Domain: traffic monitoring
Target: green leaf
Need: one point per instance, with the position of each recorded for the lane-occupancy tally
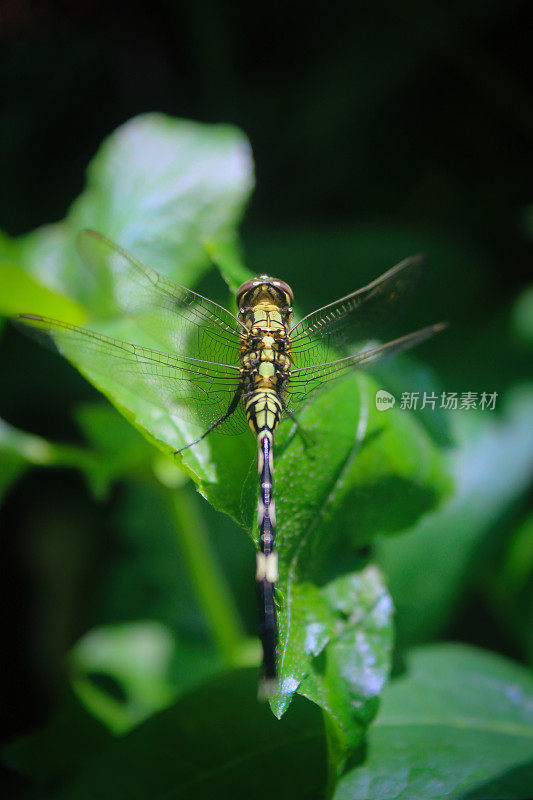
(366, 473)
(19, 290)
(137, 656)
(218, 742)
(347, 678)
(428, 567)
(158, 186)
(162, 188)
(459, 724)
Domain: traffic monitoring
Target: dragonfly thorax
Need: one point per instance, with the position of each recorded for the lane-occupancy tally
(265, 342)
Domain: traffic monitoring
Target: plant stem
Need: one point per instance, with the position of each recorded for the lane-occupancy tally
(210, 585)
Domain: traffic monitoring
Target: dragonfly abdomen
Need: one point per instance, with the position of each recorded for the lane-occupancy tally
(263, 410)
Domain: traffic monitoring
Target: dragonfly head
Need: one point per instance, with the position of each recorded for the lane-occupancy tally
(264, 289)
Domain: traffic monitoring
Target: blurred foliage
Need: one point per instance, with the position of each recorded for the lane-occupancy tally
(379, 137)
(191, 747)
(432, 565)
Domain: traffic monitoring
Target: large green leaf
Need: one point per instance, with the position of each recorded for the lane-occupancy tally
(160, 187)
(363, 473)
(366, 473)
(353, 614)
(459, 724)
(215, 742)
(20, 290)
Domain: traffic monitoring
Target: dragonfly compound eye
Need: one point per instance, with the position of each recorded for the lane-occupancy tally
(279, 291)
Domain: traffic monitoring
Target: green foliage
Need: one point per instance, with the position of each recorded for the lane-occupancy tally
(209, 743)
(507, 585)
(20, 451)
(136, 655)
(458, 724)
(357, 459)
(164, 676)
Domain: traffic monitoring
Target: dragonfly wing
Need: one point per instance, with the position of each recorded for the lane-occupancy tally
(319, 336)
(180, 319)
(195, 390)
(305, 381)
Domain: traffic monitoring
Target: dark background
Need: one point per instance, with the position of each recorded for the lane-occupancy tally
(376, 120)
(418, 111)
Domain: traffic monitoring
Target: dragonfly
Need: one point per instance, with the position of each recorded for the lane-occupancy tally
(229, 373)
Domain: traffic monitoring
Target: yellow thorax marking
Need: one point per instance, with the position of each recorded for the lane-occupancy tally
(266, 315)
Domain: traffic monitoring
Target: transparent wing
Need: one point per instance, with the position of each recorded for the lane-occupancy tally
(200, 391)
(319, 336)
(179, 319)
(305, 381)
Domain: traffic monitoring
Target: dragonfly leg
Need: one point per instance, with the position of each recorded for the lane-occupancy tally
(231, 408)
(306, 437)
